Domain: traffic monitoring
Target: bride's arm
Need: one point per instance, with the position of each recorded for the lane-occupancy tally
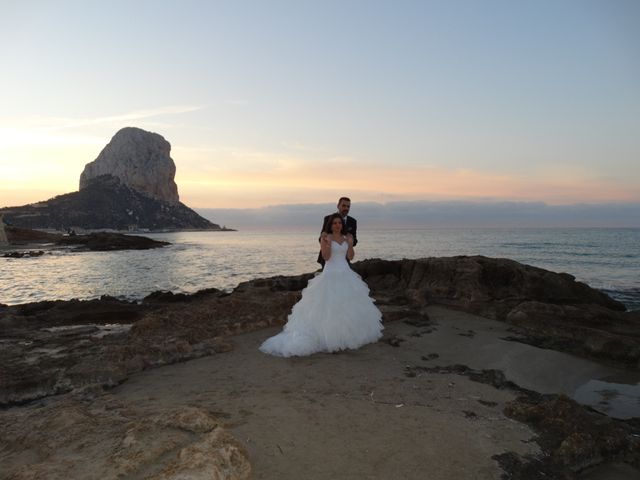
(350, 252)
(325, 247)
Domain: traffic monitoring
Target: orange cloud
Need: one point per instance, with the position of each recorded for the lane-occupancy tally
(311, 183)
(242, 178)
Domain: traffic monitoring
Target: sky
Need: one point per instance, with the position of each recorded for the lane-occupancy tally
(298, 102)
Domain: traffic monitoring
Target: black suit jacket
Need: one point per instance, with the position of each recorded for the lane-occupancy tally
(351, 227)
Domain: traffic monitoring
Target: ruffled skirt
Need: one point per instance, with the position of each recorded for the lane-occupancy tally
(334, 313)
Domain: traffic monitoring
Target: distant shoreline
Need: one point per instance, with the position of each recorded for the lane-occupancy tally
(134, 232)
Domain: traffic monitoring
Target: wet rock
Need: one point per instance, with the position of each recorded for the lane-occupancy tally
(42, 359)
(572, 437)
(100, 241)
(575, 437)
(496, 378)
(21, 236)
(587, 330)
(105, 241)
(56, 347)
(552, 310)
(431, 356)
(28, 254)
(486, 286)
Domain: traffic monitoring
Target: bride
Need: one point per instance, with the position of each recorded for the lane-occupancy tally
(335, 311)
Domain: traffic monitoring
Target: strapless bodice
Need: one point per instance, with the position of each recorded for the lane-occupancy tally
(338, 260)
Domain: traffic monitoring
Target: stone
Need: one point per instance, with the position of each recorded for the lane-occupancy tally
(217, 456)
(139, 159)
(100, 437)
(572, 436)
(105, 241)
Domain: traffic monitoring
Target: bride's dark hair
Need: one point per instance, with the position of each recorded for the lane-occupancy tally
(327, 227)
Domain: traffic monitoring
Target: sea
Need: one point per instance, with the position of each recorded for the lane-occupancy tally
(606, 259)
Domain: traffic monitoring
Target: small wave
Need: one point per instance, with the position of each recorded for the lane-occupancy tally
(630, 297)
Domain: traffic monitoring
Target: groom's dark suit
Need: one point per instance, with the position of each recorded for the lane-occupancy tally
(351, 227)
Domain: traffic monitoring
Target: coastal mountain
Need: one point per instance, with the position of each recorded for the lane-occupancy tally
(130, 186)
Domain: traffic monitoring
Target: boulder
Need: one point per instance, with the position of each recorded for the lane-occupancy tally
(141, 160)
(55, 441)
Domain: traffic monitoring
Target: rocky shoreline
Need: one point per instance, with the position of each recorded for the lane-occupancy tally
(62, 352)
(96, 241)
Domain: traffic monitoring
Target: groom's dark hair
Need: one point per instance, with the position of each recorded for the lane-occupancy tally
(327, 227)
(345, 199)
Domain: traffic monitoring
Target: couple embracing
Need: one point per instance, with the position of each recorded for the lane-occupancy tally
(335, 311)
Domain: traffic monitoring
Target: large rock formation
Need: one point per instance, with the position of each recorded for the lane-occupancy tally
(106, 203)
(130, 186)
(141, 160)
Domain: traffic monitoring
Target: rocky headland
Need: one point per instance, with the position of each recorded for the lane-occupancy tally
(130, 186)
(456, 331)
(99, 241)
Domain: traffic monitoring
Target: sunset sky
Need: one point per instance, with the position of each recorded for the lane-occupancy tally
(276, 102)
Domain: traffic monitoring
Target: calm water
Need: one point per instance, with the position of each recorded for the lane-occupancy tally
(608, 259)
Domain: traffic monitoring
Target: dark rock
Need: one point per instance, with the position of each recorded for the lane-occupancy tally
(28, 254)
(486, 286)
(470, 415)
(170, 297)
(495, 378)
(167, 327)
(57, 346)
(551, 309)
(431, 356)
(100, 241)
(279, 283)
(587, 330)
(104, 241)
(392, 340)
(23, 236)
(574, 437)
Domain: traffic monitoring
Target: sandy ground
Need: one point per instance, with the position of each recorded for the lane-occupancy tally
(359, 414)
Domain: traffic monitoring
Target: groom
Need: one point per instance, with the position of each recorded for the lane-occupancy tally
(351, 224)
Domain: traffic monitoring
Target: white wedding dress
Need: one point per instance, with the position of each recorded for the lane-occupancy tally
(334, 313)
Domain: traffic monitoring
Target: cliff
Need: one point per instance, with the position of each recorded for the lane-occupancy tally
(140, 160)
